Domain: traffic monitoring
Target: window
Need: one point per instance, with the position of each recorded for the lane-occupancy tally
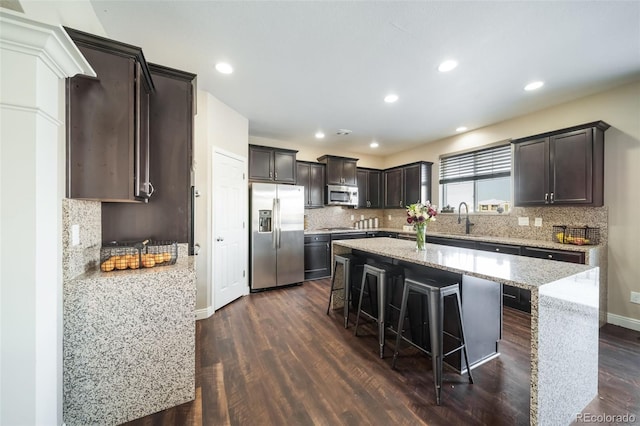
(481, 178)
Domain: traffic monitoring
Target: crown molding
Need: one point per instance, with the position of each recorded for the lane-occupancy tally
(48, 42)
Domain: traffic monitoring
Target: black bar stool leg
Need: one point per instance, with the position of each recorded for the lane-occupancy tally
(364, 280)
(403, 311)
(435, 332)
(333, 283)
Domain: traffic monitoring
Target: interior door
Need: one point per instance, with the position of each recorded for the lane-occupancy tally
(229, 229)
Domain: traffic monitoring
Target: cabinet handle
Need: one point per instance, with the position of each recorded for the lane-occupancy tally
(497, 249)
(550, 256)
(511, 296)
(270, 174)
(152, 189)
(400, 203)
(546, 198)
(276, 175)
(551, 198)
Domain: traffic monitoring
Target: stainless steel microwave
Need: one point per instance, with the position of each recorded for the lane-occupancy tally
(341, 195)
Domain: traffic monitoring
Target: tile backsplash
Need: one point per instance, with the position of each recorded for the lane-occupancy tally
(488, 224)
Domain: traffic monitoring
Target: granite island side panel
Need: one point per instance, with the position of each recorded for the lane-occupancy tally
(129, 343)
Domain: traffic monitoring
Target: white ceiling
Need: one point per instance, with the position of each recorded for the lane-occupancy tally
(301, 67)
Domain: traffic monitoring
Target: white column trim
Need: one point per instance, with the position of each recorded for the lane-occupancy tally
(34, 110)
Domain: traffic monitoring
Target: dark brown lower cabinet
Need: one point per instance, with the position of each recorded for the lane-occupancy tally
(517, 298)
(317, 256)
(513, 297)
(167, 216)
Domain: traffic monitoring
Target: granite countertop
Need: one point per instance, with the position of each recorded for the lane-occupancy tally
(489, 239)
(518, 271)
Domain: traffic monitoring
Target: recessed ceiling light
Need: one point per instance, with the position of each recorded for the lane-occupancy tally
(447, 65)
(224, 68)
(343, 132)
(461, 129)
(374, 144)
(391, 98)
(534, 85)
(319, 135)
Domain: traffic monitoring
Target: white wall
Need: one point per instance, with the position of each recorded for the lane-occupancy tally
(216, 127)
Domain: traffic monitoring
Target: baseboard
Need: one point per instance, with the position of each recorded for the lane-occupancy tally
(625, 322)
(204, 313)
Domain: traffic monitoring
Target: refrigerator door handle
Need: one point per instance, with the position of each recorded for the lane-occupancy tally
(279, 224)
(274, 228)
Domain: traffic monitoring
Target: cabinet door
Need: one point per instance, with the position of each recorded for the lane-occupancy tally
(303, 177)
(413, 185)
(393, 196)
(284, 167)
(316, 189)
(498, 248)
(363, 188)
(349, 172)
(101, 125)
(260, 163)
(334, 171)
(571, 168)
(373, 182)
(450, 241)
(531, 172)
(561, 255)
(317, 256)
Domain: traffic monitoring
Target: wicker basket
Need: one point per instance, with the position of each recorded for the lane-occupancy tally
(578, 235)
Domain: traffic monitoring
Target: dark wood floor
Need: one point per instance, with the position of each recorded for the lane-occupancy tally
(276, 358)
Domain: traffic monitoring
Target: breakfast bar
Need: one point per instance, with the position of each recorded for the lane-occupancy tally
(564, 314)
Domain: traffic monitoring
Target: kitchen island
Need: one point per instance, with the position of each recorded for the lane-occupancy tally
(564, 315)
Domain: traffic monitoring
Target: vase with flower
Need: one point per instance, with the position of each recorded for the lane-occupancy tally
(418, 215)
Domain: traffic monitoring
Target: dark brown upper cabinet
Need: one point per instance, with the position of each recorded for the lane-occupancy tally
(563, 167)
(311, 176)
(169, 213)
(407, 184)
(108, 123)
(268, 164)
(369, 188)
(340, 170)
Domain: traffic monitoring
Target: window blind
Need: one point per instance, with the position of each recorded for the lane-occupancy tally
(485, 163)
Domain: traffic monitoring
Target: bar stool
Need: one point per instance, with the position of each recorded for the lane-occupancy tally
(380, 272)
(435, 294)
(347, 261)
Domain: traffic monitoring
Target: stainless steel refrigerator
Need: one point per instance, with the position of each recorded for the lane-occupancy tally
(277, 235)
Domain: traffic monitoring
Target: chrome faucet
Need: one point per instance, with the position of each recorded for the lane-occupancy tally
(467, 224)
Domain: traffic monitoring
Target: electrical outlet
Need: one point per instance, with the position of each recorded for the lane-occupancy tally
(635, 297)
(523, 221)
(537, 221)
(75, 235)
